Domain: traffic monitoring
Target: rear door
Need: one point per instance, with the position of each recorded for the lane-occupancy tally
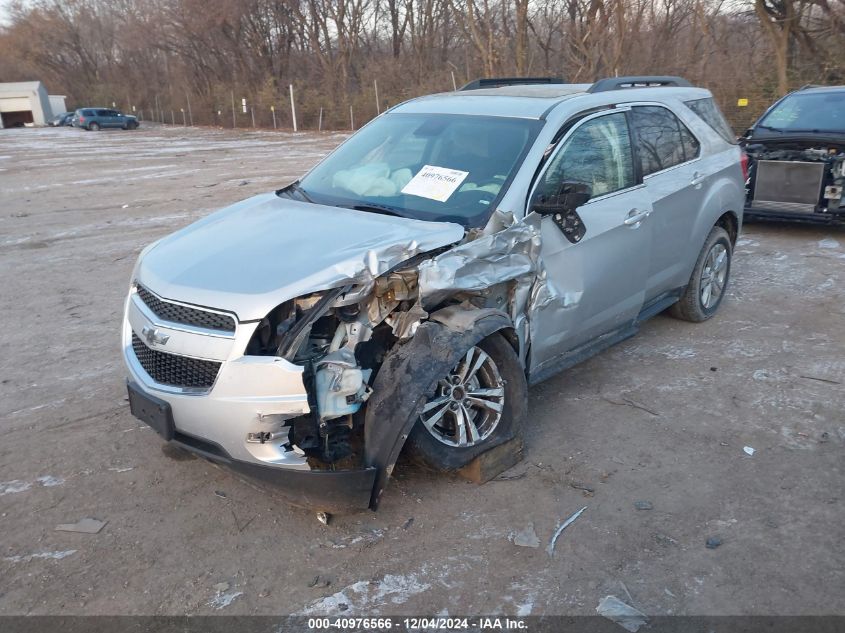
(600, 279)
(668, 156)
(104, 118)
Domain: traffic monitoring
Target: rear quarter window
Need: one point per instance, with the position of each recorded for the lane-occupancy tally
(709, 112)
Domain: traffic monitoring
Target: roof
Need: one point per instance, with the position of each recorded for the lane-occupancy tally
(533, 101)
(811, 88)
(522, 101)
(21, 86)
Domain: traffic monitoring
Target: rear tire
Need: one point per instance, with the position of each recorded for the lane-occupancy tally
(93, 127)
(709, 281)
(439, 445)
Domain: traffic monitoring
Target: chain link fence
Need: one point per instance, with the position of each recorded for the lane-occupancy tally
(308, 110)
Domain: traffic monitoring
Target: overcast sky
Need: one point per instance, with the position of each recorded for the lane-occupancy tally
(4, 11)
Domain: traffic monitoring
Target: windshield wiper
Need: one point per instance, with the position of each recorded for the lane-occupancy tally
(377, 208)
(769, 127)
(297, 188)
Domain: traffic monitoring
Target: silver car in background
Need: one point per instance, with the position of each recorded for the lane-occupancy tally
(409, 288)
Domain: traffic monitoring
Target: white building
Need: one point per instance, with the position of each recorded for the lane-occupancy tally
(25, 103)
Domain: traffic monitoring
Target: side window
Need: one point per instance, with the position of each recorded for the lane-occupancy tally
(596, 154)
(692, 147)
(662, 140)
(710, 113)
(103, 113)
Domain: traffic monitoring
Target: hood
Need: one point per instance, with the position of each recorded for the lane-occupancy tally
(252, 256)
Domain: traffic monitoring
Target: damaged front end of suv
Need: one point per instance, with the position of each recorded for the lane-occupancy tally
(299, 341)
(284, 398)
(796, 158)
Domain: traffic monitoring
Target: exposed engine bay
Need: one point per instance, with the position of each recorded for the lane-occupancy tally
(794, 178)
(340, 338)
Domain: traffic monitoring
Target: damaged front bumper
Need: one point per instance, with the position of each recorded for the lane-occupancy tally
(333, 491)
(251, 397)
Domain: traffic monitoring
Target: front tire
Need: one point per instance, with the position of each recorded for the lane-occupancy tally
(480, 404)
(709, 281)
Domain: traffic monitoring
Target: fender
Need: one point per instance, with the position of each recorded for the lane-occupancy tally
(407, 377)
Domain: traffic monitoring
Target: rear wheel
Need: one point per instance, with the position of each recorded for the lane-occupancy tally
(93, 127)
(709, 280)
(479, 404)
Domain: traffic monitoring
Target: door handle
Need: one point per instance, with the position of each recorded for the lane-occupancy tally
(635, 216)
(697, 179)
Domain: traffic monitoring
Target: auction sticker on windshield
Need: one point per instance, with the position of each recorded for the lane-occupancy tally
(435, 183)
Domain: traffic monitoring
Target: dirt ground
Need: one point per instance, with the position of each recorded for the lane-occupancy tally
(662, 418)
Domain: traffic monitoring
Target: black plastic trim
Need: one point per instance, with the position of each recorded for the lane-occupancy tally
(335, 491)
(498, 82)
(640, 81)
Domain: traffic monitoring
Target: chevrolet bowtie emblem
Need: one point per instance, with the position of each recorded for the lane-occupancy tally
(153, 336)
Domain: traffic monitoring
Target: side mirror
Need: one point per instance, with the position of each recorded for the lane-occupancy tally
(569, 197)
(562, 207)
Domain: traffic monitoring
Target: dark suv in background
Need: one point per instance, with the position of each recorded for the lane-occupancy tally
(96, 118)
(796, 153)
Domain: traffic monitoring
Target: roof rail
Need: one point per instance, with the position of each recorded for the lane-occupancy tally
(498, 82)
(644, 81)
(805, 86)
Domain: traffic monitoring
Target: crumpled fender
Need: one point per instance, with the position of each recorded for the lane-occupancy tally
(402, 386)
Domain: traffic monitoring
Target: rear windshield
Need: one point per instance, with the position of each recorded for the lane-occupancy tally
(712, 116)
(812, 112)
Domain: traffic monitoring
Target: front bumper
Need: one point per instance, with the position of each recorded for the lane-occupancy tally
(251, 394)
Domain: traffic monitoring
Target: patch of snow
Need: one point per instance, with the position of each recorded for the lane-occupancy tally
(223, 600)
(48, 481)
(48, 555)
(11, 487)
(828, 242)
(363, 596)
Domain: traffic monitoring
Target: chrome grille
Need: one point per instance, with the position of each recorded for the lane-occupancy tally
(183, 314)
(175, 370)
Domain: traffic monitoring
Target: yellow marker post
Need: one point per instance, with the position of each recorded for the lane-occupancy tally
(742, 103)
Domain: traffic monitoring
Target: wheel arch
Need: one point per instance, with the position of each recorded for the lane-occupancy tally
(729, 221)
(401, 387)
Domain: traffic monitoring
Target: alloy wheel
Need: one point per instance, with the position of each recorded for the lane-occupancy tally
(467, 405)
(713, 276)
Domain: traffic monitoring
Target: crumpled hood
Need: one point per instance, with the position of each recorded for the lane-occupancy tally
(253, 255)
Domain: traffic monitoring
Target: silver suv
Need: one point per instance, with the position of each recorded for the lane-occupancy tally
(409, 288)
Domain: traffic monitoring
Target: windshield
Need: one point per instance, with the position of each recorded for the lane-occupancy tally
(426, 166)
(808, 112)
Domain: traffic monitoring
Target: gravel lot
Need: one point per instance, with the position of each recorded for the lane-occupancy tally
(661, 418)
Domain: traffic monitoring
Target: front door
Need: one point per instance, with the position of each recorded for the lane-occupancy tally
(596, 284)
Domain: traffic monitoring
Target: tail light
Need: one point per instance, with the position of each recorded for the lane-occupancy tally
(82, 120)
(743, 162)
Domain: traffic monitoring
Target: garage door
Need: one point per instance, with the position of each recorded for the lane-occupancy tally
(18, 104)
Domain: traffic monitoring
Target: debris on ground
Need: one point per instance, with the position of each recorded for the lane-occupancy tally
(220, 493)
(713, 542)
(525, 538)
(221, 587)
(624, 615)
(551, 548)
(748, 450)
(323, 517)
(664, 539)
(88, 525)
(588, 490)
(408, 523)
(319, 582)
(643, 505)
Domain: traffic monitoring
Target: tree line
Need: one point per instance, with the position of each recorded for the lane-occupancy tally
(357, 57)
